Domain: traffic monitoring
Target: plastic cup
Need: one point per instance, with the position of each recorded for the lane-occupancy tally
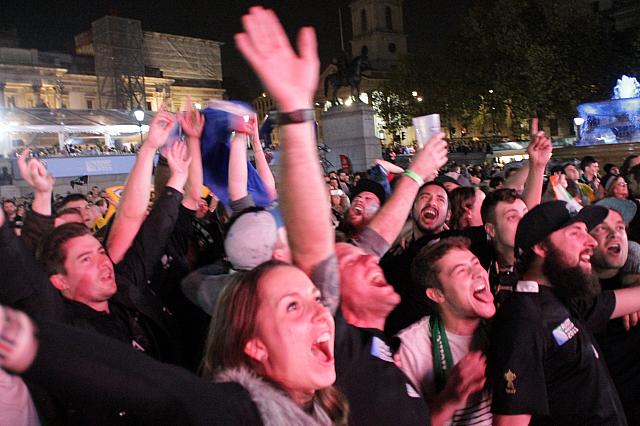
(426, 126)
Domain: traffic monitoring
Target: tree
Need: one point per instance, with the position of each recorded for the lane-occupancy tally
(539, 56)
(393, 108)
(520, 58)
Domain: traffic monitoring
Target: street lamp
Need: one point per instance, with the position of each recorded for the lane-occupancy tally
(138, 113)
(578, 121)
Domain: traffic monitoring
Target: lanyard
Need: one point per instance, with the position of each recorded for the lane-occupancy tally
(442, 359)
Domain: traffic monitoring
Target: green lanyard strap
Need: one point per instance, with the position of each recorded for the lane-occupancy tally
(442, 359)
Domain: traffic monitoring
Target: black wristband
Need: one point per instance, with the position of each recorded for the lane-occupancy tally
(294, 117)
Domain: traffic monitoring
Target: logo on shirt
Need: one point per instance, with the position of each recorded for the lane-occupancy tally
(381, 350)
(510, 377)
(564, 332)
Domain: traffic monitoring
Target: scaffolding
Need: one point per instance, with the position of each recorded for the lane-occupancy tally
(119, 63)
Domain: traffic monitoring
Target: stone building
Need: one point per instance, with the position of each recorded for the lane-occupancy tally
(172, 67)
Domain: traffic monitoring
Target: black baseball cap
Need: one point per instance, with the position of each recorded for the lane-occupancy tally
(546, 218)
(368, 185)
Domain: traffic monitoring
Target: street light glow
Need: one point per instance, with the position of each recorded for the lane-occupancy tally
(414, 93)
(578, 121)
(139, 115)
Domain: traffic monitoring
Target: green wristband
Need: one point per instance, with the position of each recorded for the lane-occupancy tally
(411, 174)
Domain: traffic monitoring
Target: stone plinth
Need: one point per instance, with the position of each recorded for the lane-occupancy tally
(350, 130)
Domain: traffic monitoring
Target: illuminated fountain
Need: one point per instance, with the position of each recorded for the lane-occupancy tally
(613, 121)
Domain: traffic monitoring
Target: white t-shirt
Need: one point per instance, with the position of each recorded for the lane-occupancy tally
(16, 405)
(416, 359)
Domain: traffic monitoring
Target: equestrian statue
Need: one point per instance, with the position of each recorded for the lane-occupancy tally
(348, 73)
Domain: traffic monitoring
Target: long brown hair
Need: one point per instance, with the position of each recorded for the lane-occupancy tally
(233, 324)
(461, 200)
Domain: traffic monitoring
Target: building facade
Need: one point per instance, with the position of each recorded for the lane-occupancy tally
(173, 67)
(377, 26)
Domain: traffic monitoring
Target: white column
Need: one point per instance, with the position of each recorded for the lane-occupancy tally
(61, 137)
(5, 143)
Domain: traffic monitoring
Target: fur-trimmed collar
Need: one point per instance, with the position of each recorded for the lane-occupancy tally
(275, 407)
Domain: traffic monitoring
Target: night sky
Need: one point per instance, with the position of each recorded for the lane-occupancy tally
(51, 25)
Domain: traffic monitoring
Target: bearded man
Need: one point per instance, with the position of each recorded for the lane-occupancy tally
(544, 364)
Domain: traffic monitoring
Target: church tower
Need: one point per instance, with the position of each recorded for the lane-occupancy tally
(377, 25)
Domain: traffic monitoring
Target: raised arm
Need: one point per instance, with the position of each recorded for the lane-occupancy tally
(238, 172)
(39, 220)
(24, 283)
(135, 200)
(539, 151)
(192, 122)
(35, 173)
(388, 222)
(150, 242)
(261, 162)
(627, 301)
(291, 79)
(388, 166)
(67, 361)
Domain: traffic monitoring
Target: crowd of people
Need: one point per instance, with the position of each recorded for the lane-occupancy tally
(70, 150)
(417, 296)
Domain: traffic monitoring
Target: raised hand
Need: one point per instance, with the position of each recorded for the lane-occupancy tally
(389, 167)
(192, 121)
(35, 173)
(432, 157)
(255, 135)
(291, 79)
(160, 128)
(539, 148)
(246, 125)
(466, 378)
(179, 159)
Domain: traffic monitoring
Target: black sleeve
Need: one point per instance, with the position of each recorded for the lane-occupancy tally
(87, 370)
(241, 204)
(596, 313)
(150, 241)
(24, 285)
(183, 230)
(35, 227)
(372, 242)
(515, 368)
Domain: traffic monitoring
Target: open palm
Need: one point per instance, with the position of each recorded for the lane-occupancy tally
(266, 47)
